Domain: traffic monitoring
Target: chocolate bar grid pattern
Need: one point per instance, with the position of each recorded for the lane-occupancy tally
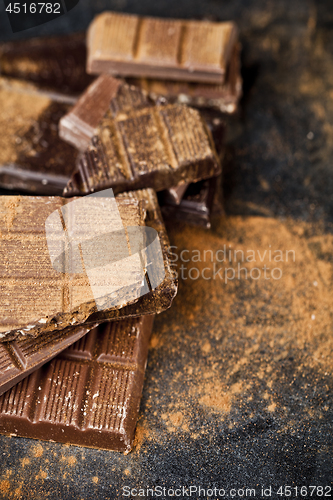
(79, 125)
(161, 297)
(19, 358)
(223, 97)
(88, 395)
(22, 228)
(155, 147)
(132, 46)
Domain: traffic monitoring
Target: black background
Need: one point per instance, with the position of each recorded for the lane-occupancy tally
(279, 40)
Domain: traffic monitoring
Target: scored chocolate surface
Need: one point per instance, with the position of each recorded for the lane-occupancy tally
(157, 147)
(38, 298)
(129, 45)
(160, 298)
(32, 156)
(19, 358)
(106, 93)
(57, 63)
(89, 395)
(223, 97)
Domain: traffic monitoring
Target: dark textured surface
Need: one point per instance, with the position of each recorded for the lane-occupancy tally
(89, 395)
(252, 334)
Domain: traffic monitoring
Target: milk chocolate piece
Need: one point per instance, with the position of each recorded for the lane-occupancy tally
(57, 63)
(19, 358)
(157, 147)
(39, 297)
(223, 97)
(129, 45)
(195, 206)
(106, 93)
(89, 395)
(32, 157)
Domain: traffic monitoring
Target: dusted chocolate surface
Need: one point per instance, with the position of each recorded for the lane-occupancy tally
(157, 147)
(21, 357)
(32, 157)
(89, 395)
(274, 175)
(80, 124)
(161, 297)
(56, 63)
(127, 45)
(38, 298)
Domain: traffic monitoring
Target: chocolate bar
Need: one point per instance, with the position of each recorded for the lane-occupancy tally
(32, 157)
(106, 93)
(157, 147)
(19, 358)
(160, 298)
(89, 395)
(67, 261)
(172, 49)
(55, 63)
(195, 206)
(224, 96)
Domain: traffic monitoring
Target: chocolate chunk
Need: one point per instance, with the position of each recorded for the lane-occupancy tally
(56, 63)
(89, 395)
(174, 195)
(106, 93)
(64, 265)
(129, 45)
(32, 157)
(197, 204)
(19, 358)
(223, 97)
(157, 147)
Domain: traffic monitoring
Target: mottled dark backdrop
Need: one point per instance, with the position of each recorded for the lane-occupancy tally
(238, 390)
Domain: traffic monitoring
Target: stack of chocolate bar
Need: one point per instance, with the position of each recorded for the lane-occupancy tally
(73, 349)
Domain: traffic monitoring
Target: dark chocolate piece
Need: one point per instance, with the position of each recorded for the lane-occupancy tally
(157, 147)
(39, 297)
(19, 358)
(174, 195)
(56, 63)
(199, 202)
(129, 45)
(106, 93)
(223, 97)
(32, 157)
(89, 395)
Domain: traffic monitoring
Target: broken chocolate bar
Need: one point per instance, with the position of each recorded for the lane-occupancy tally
(223, 97)
(67, 261)
(32, 157)
(157, 147)
(106, 93)
(55, 63)
(129, 45)
(161, 297)
(89, 395)
(195, 206)
(19, 358)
